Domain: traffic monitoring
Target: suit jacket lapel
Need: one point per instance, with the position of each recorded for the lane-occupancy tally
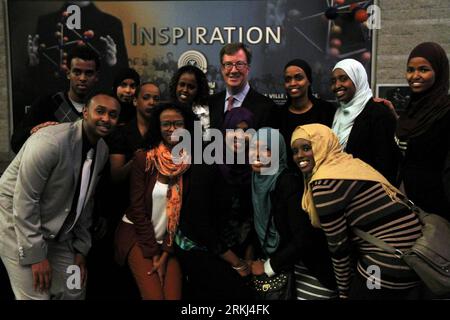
(358, 129)
(248, 98)
(98, 165)
(76, 145)
(216, 114)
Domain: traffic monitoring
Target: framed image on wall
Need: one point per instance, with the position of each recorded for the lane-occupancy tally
(398, 94)
(157, 37)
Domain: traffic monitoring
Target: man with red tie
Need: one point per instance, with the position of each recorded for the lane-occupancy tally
(235, 59)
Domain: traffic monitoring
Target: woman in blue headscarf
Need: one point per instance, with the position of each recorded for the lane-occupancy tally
(285, 236)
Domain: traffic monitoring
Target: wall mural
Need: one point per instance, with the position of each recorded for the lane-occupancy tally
(156, 37)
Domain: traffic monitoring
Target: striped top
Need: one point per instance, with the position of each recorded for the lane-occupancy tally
(308, 287)
(343, 204)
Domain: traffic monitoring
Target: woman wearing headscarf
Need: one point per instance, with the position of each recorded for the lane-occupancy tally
(124, 88)
(285, 237)
(365, 128)
(216, 223)
(423, 130)
(341, 193)
(236, 223)
(301, 106)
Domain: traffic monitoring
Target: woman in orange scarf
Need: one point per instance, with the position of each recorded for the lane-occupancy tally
(145, 236)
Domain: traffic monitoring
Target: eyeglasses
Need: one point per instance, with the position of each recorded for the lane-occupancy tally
(176, 124)
(155, 97)
(240, 65)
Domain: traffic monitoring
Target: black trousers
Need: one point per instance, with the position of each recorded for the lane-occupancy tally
(209, 278)
(6, 293)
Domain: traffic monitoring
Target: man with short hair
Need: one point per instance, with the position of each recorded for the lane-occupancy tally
(113, 200)
(235, 60)
(61, 107)
(46, 203)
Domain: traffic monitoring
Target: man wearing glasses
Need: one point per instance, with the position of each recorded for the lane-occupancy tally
(235, 59)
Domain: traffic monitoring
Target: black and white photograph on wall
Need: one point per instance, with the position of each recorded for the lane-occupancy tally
(398, 94)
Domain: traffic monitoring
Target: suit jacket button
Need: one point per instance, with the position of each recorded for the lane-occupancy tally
(52, 236)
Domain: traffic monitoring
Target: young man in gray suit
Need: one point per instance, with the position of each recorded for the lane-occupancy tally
(46, 202)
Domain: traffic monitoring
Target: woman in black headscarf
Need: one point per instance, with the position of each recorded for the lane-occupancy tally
(301, 106)
(125, 84)
(423, 133)
(216, 221)
(236, 219)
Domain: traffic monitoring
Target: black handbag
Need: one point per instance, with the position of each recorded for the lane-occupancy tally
(278, 287)
(429, 257)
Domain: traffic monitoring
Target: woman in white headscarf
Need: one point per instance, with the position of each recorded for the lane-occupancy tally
(365, 128)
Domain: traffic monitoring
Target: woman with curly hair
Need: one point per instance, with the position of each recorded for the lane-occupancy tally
(190, 86)
(145, 236)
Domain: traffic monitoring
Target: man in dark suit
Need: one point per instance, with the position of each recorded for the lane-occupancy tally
(235, 59)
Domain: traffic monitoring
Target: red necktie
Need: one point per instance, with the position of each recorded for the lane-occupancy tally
(230, 103)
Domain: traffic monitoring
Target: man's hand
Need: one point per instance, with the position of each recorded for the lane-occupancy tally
(80, 261)
(43, 125)
(111, 50)
(33, 50)
(42, 275)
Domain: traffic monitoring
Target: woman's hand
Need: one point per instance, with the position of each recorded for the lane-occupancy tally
(159, 266)
(241, 266)
(257, 267)
(245, 271)
(388, 104)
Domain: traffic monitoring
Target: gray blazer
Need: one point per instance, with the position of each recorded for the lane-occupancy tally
(37, 190)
